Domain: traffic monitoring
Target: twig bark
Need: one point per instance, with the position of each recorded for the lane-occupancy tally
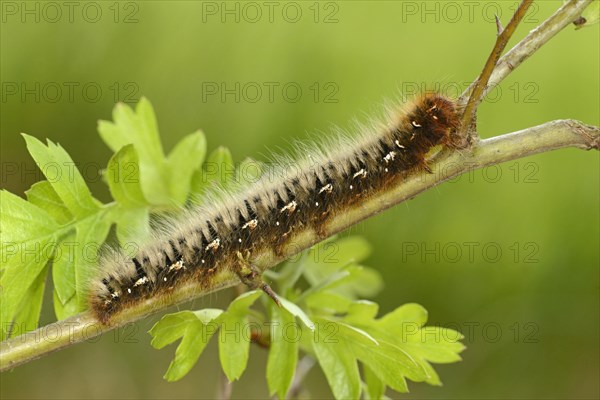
(447, 165)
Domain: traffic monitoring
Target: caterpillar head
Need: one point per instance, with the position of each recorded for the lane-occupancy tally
(437, 116)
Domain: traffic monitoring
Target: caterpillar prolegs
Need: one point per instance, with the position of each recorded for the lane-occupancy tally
(224, 233)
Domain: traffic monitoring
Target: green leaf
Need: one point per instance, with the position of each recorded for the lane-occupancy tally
(329, 282)
(432, 376)
(170, 328)
(31, 305)
(44, 196)
(332, 266)
(208, 315)
(328, 257)
(123, 178)
(350, 282)
(241, 303)
(375, 386)
(297, 312)
(390, 364)
(361, 312)
(402, 330)
(60, 171)
(406, 323)
(436, 344)
(140, 129)
(331, 303)
(183, 161)
(63, 268)
(283, 353)
(338, 362)
(64, 310)
(29, 235)
(23, 221)
(408, 315)
(234, 339)
(195, 333)
(75, 259)
(387, 361)
(133, 212)
(194, 341)
(365, 282)
(91, 233)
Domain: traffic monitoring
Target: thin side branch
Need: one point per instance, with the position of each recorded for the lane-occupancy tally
(562, 18)
(550, 136)
(482, 82)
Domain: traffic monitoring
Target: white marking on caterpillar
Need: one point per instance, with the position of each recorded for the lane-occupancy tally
(317, 204)
(399, 145)
(177, 266)
(214, 245)
(389, 157)
(290, 207)
(327, 188)
(129, 290)
(240, 240)
(250, 224)
(434, 117)
(114, 295)
(277, 223)
(362, 173)
(415, 124)
(142, 281)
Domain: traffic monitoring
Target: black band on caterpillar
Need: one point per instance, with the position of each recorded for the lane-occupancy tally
(268, 213)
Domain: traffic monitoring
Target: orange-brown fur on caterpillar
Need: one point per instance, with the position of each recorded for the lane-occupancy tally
(293, 196)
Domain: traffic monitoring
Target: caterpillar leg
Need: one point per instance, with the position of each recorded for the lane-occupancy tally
(251, 277)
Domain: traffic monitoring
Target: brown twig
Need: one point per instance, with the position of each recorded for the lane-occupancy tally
(539, 36)
(468, 119)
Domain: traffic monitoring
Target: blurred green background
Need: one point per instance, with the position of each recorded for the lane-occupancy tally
(530, 315)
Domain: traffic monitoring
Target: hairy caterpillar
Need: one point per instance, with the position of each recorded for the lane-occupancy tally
(226, 232)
